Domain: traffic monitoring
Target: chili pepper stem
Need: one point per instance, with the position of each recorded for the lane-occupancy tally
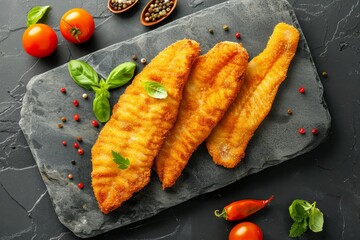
(221, 214)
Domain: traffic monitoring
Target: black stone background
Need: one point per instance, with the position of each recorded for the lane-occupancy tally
(328, 174)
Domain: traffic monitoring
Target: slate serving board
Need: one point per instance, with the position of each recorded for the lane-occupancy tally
(276, 140)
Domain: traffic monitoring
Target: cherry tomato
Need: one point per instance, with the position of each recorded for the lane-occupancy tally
(39, 40)
(246, 231)
(77, 25)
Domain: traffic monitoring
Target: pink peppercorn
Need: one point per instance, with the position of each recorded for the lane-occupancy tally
(94, 123)
(76, 103)
(80, 185)
(80, 151)
(314, 131)
(77, 117)
(301, 131)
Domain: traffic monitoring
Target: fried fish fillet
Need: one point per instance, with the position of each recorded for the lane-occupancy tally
(264, 74)
(214, 81)
(139, 125)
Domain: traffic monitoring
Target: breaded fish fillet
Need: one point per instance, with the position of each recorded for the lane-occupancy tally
(139, 125)
(214, 81)
(264, 74)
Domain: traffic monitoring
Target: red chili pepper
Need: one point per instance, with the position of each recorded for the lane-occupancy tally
(241, 209)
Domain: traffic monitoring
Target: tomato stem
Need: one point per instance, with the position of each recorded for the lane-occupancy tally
(73, 30)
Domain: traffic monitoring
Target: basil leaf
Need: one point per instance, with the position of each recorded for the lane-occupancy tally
(121, 75)
(155, 89)
(316, 220)
(101, 107)
(298, 228)
(83, 74)
(35, 14)
(298, 210)
(123, 163)
(101, 91)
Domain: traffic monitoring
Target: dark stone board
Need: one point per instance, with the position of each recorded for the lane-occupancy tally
(276, 140)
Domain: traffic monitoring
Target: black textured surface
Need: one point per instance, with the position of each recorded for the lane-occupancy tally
(276, 141)
(328, 174)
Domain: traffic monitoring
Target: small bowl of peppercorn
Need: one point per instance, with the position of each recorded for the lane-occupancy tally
(156, 11)
(119, 6)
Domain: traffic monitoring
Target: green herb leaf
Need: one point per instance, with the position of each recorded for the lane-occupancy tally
(123, 163)
(316, 220)
(83, 74)
(155, 89)
(298, 228)
(298, 210)
(121, 75)
(305, 215)
(101, 106)
(35, 14)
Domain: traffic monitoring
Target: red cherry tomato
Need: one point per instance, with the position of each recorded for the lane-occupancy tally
(77, 25)
(246, 231)
(39, 40)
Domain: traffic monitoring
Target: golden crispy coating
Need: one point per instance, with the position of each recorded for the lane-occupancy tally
(264, 74)
(139, 125)
(214, 81)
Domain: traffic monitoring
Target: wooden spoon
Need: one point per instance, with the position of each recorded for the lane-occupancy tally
(147, 21)
(122, 9)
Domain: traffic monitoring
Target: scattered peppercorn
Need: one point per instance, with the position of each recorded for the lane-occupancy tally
(85, 96)
(143, 60)
(77, 117)
(60, 125)
(211, 31)
(226, 27)
(73, 162)
(76, 145)
(76, 103)
(64, 143)
(302, 131)
(324, 74)
(63, 119)
(289, 111)
(80, 151)
(237, 35)
(94, 123)
(314, 131)
(70, 176)
(134, 57)
(63, 90)
(79, 139)
(80, 185)
(301, 90)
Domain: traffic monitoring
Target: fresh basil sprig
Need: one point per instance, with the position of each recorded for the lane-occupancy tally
(123, 163)
(155, 89)
(120, 75)
(83, 74)
(86, 77)
(35, 14)
(305, 215)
